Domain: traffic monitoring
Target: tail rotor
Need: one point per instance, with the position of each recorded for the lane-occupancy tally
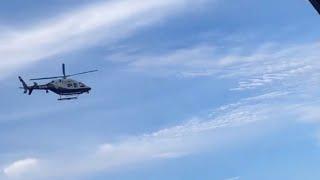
(26, 87)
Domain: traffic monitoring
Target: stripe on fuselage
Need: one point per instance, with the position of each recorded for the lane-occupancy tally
(64, 91)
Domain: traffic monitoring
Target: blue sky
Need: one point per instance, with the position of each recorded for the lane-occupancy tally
(211, 89)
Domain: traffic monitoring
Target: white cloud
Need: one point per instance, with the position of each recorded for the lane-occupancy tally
(199, 134)
(221, 127)
(108, 20)
(21, 167)
(174, 142)
(263, 66)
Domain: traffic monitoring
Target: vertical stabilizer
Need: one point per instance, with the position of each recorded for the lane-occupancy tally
(26, 87)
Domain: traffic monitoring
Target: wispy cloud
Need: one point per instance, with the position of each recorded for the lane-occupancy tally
(181, 140)
(173, 142)
(108, 20)
(221, 126)
(278, 104)
(252, 67)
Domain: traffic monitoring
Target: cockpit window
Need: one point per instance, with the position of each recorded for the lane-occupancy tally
(81, 85)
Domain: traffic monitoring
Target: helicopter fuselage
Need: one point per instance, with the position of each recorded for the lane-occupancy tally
(61, 85)
(64, 87)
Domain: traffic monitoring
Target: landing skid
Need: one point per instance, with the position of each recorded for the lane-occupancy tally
(67, 98)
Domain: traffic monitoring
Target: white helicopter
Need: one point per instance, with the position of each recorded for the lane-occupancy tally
(66, 88)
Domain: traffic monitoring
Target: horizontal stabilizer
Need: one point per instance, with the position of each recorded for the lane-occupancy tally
(316, 4)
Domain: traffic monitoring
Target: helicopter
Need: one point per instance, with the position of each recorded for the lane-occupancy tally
(316, 4)
(66, 88)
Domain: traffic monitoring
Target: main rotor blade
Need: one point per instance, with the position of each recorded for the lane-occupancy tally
(56, 77)
(82, 73)
(64, 70)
